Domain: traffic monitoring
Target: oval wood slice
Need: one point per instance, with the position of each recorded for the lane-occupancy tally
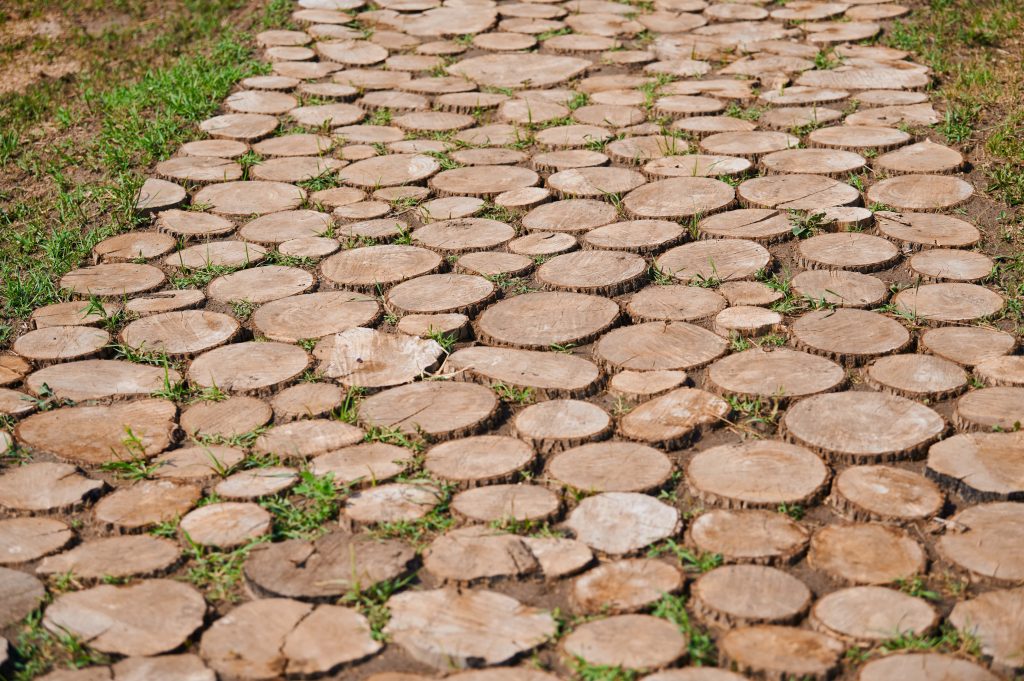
(250, 198)
(389, 171)
(43, 487)
(439, 410)
(180, 333)
(847, 251)
(248, 368)
(116, 557)
(314, 315)
(570, 215)
(859, 137)
(210, 254)
(560, 424)
(441, 293)
(967, 345)
(673, 419)
(306, 400)
(715, 260)
(243, 127)
(917, 376)
(624, 586)
(595, 183)
(778, 373)
(654, 346)
(920, 192)
(741, 595)
(200, 169)
(796, 192)
(749, 536)
(869, 614)
(927, 230)
(553, 161)
(478, 554)
(924, 667)
(764, 225)
(164, 301)
(308, 438)
(979, 466)
(146, 503)
(991, 618)
(463, 234)
(746, 321)
(924, 157)
(984, 539)
(865, 554)
(20, 594)
(840, 287)
(228, 418)
(260, 284)
(157, 195)
(524, 321)
(950, 302)
(544, 374)
(289, 224)
(197, 463)
(226, 525)
(478, 460)
(368, 358)
(506, 503)
(704, 126)
(636, 386)
(23, 540)
(849, 335)
(372, 266)
(771, 650)
(113, 280)
(255, 484)
(74, 313)
(748, 144)
(679, 197)
(617, 523)
(542, 244)
(611, 467)
(482, 181)
(941, 264)
(370, 462)
(642, 236)
(749, 293)
(675, 303)
(61, 344)
(638, 150)
(192, 225)
(98, 379)
(520, 70)
(132, 246)
(559, 556)
(628, 642)
(607, 273)
(885, 493)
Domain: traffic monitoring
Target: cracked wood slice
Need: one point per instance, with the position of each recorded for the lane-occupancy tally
(389, 171)
(23, 540)
(635, 642)
(556, 425)
(187, 332)
(20, 594)
(917, 376)
(464, 234)
(674, 419)
(96, 434)
(869, 614)
(846, 218)
(608, 273)
(617, 523)
(885, 493)
(749, 145)
(924, 157)
(227, 418)
(366, 268)
(636, 386)
(447, 627)
(243, 127)
(920, 192)
(479, 460)
(967, 345)
(146, 503)
(714, 260)
(863, 427)
(327, 567)
(611, 467)
(308, 437)
(478, 554)
(979, 466)
(746, 321)
(100, 379)
(741, 595)
(924, 667)
(862, 78)
(948, 302)
(544, 374)
(749, 536)
(453, 324)
(482, 181)
(116, 557)
(679, 197)
(441, 293)
(250, 198)
(255, 484)
(520, 70)
(674, 303)
(362, 463)
(260, 284)
(506, 503)
(54, 344)
(42, 487)
(841, 287)
(113, 280)
(314, 315)
(927, 230)
(367, 358)
(829, 162)
(158, 195)
(773, 651)
(942, 264)
(659, 345)
(849, 335)
(439, 410)
(190, 224)
(866, 553)
(125, 247)
(526, 320)
(992, 618)
(288, 224)
(226, 525)
(248, 368)
(146, 618)
(778, 373)
(763, 225)
(570, 215)
(984, 540)
(796, 192)
(595, 183)
(624, 586)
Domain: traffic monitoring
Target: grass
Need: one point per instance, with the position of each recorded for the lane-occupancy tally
(36, 650)
(309, 505)
(692, 562)
(372, 600)
(702, 649)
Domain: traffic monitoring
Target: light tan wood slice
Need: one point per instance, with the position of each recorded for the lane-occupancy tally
(114, 557)
(628, 642)
(921, 192)
(917, 376)
(544, 374)
(764, 225)
(308, 438)
(249, 368)
(436, 409)
(211, 254)
(983, 539)
(113, 280)
(741, 595)
(54, 344)
(967, 345)
(749, 293)
(242, 127)
(570, 215)
(796, 192)
(21, 593)
(979, 466)
(202, 462)
(674, 419)
(225, 525)
(279, 227)
(679, 197)
(441, 293)
(617, 523)
(368, 358)
(924, 157)
(257, 483)
(948, 302)
(260, 284)
(868, 614)
(847, 251)
(559, 556)
(611, 467)
(624, 586)
(73, 313)
(637, 386)
(749, 536)
(463, 234)
(306, 400)
(927, 230)
(23, 540)
(941, 264)
(132, 246)
(520, 70)
(314, 315)
(991, 618)
(180, 333)
(228, 418)
(157, 195)
(250, 198)
(499, 504)
(477, 554)
(750, 145)
(849, 335)
(923, 666)
(43, 487)
(164, 301)
(372, 266)
(841, 288)
(556, 425)
(675, 303)
(746, 321)
(778, 373)
(866, 553)
(366, 463)
(478, 460)
(885, 493)
(192, 224)
(654, 346)
(714, 260)
(524, 320)
(776, 651)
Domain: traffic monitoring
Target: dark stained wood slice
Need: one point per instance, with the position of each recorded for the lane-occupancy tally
(389, 171)
(848, 335)
(250, 198)
(440, 293)
(520, 70)
(463, 234)
(524, 320)
(570, 215)
(545, 374)
(673, 419)
(869, 614)
(191, 224)
(72, 313)
(923, 157)
(764, 225)
(225, 525)
(99, 379)
(314, 315)
(602, 272)
(991, 618)
(659, 345)
(556, 425)
(997, 408)
(714, 260)
(202, 462)
(113, 280)
(741, 595)
(366, 268)
(117, 557)
(942, 264)
(132, 246)
(499, 503)
(927, 230)
(23, 540)
(863, 427)
(611, 467)
(146, 503)
(841, 288)
(43, 487)
(923, 666)
(478, 460)
(54, 344)
(250, 485)
(146, 618)
(479, 554)
(828, 162)
(260, 284)
(366, 463)
(983, 539)
(482, 181)
(307, 438)
(778, 373)
(446, 628)
(627, 641)
(211, 254)
(865, 553)
(248, 368)
(674, 303)
(180, 333)
(979, 466)
(917, 376)
(624, 586)
(227, 418)
(368, 358)
(967, 345)
(773, 651)
(679, 197)
(796, 192)
(749, 536)
(439, 410)
(886, 494)
(290, 224)
(96, 434)
(948, 302)
(920, 192)
(157, 195)
(20, 594)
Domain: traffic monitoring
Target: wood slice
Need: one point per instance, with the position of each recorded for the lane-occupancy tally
(545, 374)
(997, 409)
(855, 137)
(190, 224)
(841, 288)
(597, 182)
(43, 487)
(96, 434)
(73, 313)
(631, 642)
(941, 264)
(366, 268)
(426, 325)
(750, 145)
(611, 467)
(967, 345)
(863, 427)
(846, 218)
(197, 463)
(334, 115)
(571, 158)
(21, 593)
(682, 106)
(868, 77)
(114, 557)
(558, 556)
(307, 438)
(696, 165)
(531, 112)
(749, 293)
(828, 162)
(306, 400)
(992, 619)
(979, 466)
(489, 157)
(757, 224)
(200, 169)
(294, 145)
(146, 503)
(695, 674)
(885, 493)
(257, 483)
(920, 192)
(491, 263)
(637, 386)
(772, 651)
(542, 244)
(679, 197)
(917, 376)
(244, 127)
(314, 315)
(926, 230)
(441, 293)
(260, 284)
(714, 260)
(478, 460)
(984, 539)
(607, 273)
(371, 462)
(523, 321)
(786, 118)
(389, 171)
(624, 586)
(847, 251)
(368, 358)
(450, 208)
(147, 618)
(868, 614)
(622, 522)
(556, 425)
(228, 254)
(225, 525)
(503, 503)
(948, 302)
(659, 345)
(463, 234)
(290, 224)
(157, 195)
(674, 303)
(796, 192)
(923, 157)
(228, 418)
(849, 335)
(571, 216)
(778, 373)
(113, 280)
(482, 181)
(439, 410)
(132, 246)
(520, 70)
(746, 321)
(865, 554)
(26, 539)
(672, 420)
(923, 666)
(742, 595)
(749, 536)
(477, 554)
(250, 198)
(448, 627)
(164, 301)
(216, 148)
(61, 344)
(180, 333)
(248, 368)
(99, 379)
(638, 150)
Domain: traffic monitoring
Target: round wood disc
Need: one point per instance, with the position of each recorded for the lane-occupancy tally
(26, 539)
(307, 438)
(542, 244)
(926, 230)
(146, 503)
(757, 224)
(786, 118)
(622, 522)
(214, 147)
(854, 137)
(979, 466)
(260, 284)
(459, 628)
(545, 374)
(948, 302)
(923, 666)
(228, 254)
(749, 293)
(294, 145)
(250, 198)
(180, 333)
(741, 595)
(593, 271)
(672, 420)
(638, 150)
(200, 169)
(674, 303)
(749, 145)
(679, 197)
(500, 503)
(749, 536)
(245, 127)
(127, 556)
(440, 410)
(558, 556)
(597, 183)
(841, 288)
(627, 642)
(164, 301)
(394, 502)
(849, 335)
(846, 218)
(226, 525)
(113, 280)
(531, 111)
(478, 460)
(555, 425)
(291, 224)
(863, 427)
(389, 171)
(847, 251)
(984, 540)
(482, 181)
(522, 321)
(98, 379)
(884, 493)
(146, 618)
(917, 376)
(641, 236)
(61, 344)
(248, 368)
(746, 321)
(967, 345)
(570, 215)
(868, 614)
(624, 586)
(778, 651)
(992, 619)
(714, 260)
(368, 358)
(43, 487)
(998, 408)
(696, 165)
(228, 418)
(519, 70)
(658, 345)
(254, 484)
(132, 246)
(314, 315)
(364, 463)
(475, 553)
(73, 313)
(571, 158)
(796, 192)
(197, 463)
(20, 594)
(828, 162)
(865, 553)
(440, 293)
(923, 157)
(157, 195)
(778, 373)
(370, 266)
(611, 467)
(463, 234)
(190, 224)
(942, 264)
(920, 192)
